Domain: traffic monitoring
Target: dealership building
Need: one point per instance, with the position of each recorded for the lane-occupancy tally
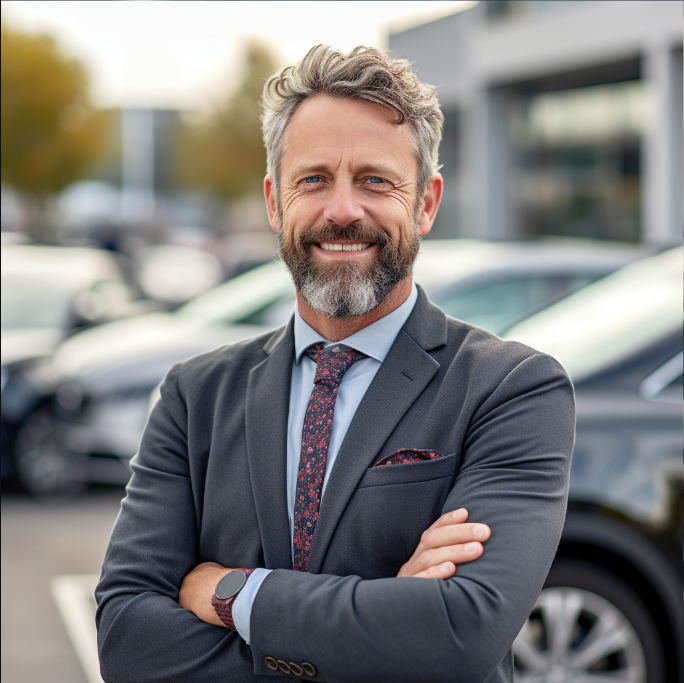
(561, 118)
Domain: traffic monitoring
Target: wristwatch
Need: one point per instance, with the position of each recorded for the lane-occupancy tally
(227, 590)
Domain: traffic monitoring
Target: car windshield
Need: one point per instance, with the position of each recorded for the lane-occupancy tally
(242, 299)
(29, 303)
(611, 319)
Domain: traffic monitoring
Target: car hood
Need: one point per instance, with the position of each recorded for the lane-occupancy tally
(136, 354)
(26, 344)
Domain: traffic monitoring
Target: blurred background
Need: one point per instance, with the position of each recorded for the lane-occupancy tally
(134, 236)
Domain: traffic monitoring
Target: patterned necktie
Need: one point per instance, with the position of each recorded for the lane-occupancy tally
(331, 364)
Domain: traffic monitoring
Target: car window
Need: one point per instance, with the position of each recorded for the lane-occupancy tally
(494, 304)
(578, 280)
(612, 319)
(241, 299)
(272, 315)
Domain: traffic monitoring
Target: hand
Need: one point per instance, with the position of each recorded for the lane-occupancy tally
(448, 542)
(198, 588)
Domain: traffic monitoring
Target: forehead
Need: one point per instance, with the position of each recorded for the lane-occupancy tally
(332, 130)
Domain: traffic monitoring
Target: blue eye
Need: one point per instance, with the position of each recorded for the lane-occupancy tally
(375, 180)
(312, 179)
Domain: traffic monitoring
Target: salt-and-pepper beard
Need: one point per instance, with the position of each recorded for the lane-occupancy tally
(345, 289)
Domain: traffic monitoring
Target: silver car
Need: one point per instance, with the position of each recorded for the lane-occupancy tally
(102, 378)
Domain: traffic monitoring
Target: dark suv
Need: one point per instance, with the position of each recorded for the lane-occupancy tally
(611, 609)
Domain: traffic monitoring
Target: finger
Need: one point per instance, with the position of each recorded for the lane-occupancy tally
(456, 517)
(453, 534)
(441, 571)
(458, 554)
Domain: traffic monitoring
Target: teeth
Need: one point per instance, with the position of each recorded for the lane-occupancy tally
(328, 246)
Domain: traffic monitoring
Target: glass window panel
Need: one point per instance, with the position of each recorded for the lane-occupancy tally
(577, 161)
(492, 305)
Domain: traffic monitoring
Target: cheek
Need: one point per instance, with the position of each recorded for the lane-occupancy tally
(395, 215)
(407, 204)
(298, 209)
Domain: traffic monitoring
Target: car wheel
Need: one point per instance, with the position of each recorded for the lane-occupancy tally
(588, 626)
(44, 468)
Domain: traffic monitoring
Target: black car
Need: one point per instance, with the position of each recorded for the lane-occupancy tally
(611, 609)
(48, 294)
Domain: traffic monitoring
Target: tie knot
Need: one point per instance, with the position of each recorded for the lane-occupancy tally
(332, 361)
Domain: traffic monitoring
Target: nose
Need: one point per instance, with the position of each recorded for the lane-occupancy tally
(343, 203)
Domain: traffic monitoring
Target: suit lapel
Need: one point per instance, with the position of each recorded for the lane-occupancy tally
(268, 399)
(402, 377)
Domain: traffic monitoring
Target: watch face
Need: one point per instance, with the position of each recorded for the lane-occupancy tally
(230, 584)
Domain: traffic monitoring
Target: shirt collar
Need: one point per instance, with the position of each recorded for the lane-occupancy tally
(375, 340)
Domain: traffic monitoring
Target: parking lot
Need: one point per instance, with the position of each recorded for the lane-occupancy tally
(135, 237)
(50, 551)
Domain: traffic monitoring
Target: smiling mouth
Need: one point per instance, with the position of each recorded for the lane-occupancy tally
(356, 246)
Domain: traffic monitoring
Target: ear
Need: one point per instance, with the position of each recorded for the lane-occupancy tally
(271, 203)
(430, 204)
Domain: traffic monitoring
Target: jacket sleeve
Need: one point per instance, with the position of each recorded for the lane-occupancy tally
(514, 476)
(143, 634)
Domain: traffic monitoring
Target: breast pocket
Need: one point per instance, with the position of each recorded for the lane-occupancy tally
(410, 472)
(383, 522)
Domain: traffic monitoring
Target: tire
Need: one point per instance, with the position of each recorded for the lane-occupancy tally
(45, 469)
(588, 625)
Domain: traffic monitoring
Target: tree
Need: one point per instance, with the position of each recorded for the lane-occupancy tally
(50, 132)
(226, 154)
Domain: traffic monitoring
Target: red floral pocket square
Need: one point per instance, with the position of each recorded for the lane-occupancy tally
(405, 455)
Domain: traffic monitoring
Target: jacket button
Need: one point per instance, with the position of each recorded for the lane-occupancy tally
(295, 669)
(271, 663)
(283, 666)
(309, 669)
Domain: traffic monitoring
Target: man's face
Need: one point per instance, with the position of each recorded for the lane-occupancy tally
(348, 220)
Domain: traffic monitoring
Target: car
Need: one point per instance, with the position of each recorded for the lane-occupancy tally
(611, 608)
(93, 413)
(48, 294)
(173, 274)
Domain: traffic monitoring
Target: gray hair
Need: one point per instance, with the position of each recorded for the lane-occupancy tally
(365, 73)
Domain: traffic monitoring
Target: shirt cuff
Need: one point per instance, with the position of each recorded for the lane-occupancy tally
(242, 607)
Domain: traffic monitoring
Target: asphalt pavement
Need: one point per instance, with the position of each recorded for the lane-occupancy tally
(51, 555)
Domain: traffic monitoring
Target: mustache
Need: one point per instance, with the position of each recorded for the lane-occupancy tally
(356, 232)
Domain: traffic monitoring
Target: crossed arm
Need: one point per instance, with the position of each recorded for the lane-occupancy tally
(514, 476)
(448, 542)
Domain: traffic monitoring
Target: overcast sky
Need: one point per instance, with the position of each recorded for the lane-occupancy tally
(183, 54)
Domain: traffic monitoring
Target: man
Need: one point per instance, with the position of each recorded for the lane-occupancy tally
(309, 488)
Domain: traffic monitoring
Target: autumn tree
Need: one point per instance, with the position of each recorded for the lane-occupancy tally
(226, 154)
(50, 131)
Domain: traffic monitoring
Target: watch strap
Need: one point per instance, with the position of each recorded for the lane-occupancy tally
(224, 608)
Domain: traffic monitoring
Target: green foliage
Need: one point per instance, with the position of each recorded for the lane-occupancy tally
(50, 133)
(226, 154)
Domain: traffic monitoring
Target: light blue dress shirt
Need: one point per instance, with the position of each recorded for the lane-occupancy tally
(375, 342)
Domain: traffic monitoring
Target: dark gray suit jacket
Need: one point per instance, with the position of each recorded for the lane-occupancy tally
(209, 485)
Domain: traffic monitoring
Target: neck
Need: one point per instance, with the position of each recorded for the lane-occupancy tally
(336, 329)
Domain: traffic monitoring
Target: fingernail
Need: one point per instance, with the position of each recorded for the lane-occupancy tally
(471, 548)
(478, 531)
(457, 513)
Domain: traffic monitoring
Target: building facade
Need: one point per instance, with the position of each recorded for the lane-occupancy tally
(562, 118)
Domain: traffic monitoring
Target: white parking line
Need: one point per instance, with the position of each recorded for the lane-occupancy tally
(76, 604)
